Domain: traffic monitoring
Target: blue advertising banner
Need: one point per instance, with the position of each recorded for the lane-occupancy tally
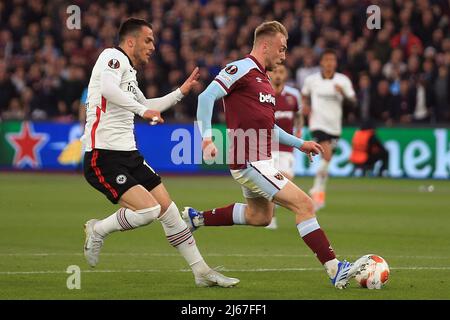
(173, 148)
(45, 146)
(169, 147)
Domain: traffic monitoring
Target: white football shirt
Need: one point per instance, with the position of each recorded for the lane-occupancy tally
(326, 101)
(109, 125)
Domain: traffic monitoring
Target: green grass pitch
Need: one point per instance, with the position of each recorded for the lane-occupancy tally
(41, 233)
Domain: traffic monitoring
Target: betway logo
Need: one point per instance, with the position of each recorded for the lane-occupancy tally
(266, 98)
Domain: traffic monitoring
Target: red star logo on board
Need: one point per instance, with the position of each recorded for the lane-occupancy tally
(27, 145)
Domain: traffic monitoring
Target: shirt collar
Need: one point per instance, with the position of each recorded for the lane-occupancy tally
(321, 73)
(121, 50)
(263, 70)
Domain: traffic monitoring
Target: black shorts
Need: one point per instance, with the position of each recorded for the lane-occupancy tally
(320, 136)
(114, 172)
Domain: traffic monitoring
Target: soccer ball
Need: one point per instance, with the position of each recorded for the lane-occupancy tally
(376, 273)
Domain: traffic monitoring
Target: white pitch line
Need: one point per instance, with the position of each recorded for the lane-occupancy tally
(155, 254)
(187, 270)
(43, 254)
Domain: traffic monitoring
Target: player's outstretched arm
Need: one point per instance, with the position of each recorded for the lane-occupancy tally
(311, 148)
(109, 88)
(190, 82)
(161, 104)
(287, 139)
(209, 149)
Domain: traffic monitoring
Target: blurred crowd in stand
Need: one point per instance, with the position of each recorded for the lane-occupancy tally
(400, 71)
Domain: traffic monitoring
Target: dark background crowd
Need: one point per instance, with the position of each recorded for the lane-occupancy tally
(400, 72)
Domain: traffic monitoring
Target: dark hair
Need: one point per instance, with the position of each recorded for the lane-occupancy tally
(132, 25)
(328, 51)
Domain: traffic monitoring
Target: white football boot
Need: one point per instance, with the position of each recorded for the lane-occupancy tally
(93, 243)
(347, 270)
(214, 278)
(193, 218)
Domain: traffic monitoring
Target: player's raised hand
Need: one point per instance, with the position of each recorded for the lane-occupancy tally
(154, 117)
(311, 149)
(190, 81)
(209, 149)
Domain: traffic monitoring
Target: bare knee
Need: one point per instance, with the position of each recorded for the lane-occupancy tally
(304, 208)
(136, 198)
(308, 208)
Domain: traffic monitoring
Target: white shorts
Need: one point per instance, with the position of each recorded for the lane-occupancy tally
(284, 161)
(260, 179)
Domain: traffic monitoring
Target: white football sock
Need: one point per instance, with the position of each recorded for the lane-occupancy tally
(321, 177)
(331, 267)
(306, 227)
(180, 237)
(126, 219)
(275, 207)
(239, 213)
(272, 224)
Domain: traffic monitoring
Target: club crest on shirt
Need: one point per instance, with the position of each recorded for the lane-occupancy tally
(279, 176)
(121, 179)
(114, 64)
(231, 69)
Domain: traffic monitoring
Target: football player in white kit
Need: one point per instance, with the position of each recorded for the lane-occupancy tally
(289, 118)
(323, 95)
(112, 163)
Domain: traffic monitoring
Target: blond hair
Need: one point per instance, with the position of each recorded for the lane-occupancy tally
(269, 28)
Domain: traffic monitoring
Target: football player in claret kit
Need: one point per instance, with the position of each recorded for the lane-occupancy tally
(114, 166)
(323, 95)
(289, 118)
(249, 104)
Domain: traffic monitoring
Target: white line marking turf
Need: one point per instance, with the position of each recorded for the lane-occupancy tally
(39, 254)
(188, 270)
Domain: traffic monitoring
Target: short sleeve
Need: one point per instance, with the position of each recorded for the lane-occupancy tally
(348, 88)
(306, 90)
(229, 76)
(113, 63)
